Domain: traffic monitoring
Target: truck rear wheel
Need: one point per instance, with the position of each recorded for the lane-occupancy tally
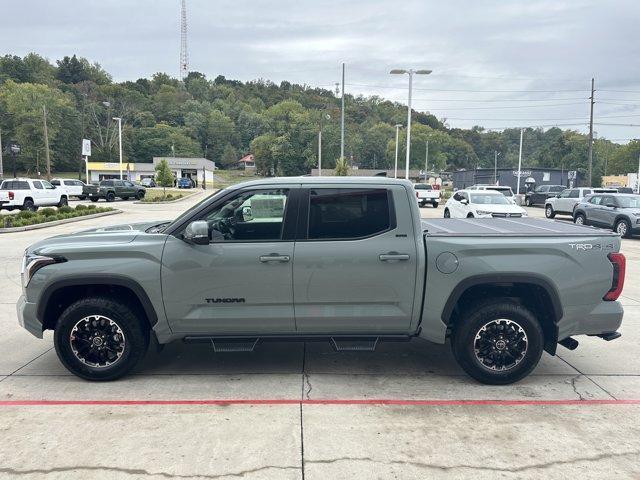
(434, 204)
(93, 199)
(111, 196)
(98, 338)
(497, 341)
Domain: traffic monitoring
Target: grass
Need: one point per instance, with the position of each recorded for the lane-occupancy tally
(45, 215)
(225, 178)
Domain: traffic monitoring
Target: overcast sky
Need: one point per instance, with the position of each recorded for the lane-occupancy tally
(495, 63)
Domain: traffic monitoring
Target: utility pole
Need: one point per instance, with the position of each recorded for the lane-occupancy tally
(395, 171)
(520, 160)
(495, 166)
(426, 162)
(638, 177)
(408, 159)
(342, 117)
(591, 134)
(119, 120)
(46, 142)
(320, 151)
(1, 167)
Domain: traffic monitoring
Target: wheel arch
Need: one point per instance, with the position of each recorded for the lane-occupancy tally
(533, 291)
(60, 294)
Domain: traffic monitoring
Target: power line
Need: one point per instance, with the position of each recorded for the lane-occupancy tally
(467, 90)
(504, 107)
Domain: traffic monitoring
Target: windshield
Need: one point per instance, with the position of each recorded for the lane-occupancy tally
(489, 199)
(629, 202)
(504, 191)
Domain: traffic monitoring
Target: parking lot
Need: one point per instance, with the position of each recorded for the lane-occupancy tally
(301, 410)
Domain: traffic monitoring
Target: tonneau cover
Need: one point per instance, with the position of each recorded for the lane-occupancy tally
(499, 227)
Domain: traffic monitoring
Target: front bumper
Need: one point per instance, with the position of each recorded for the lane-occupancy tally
(595, 319)
(27, 317)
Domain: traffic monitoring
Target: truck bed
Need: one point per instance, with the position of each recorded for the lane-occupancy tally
(500, 227)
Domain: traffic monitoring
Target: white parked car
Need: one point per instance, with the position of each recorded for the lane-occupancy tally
(425, 193)
(503, 189)
(481, 204)
(29, 194)
(565, 202)
(74, 188)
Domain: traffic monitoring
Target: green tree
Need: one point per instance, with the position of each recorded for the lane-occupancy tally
(164, 176)
(229, 156)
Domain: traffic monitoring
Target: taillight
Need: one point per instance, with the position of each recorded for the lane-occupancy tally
(417, 195)
(619, 263)
(11, 195)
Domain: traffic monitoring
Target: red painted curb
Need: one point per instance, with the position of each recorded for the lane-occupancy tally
(381, 401)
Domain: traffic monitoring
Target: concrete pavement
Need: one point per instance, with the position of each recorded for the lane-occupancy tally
(306, 440)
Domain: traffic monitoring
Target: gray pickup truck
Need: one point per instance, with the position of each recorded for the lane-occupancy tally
(342, 259)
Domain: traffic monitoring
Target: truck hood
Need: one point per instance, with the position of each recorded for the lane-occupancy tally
(110, 235)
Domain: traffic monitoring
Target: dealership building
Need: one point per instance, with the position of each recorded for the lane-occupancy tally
(530, 178)
(198, 169)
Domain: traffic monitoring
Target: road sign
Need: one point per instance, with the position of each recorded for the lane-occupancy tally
(86, 147)
(572, 174)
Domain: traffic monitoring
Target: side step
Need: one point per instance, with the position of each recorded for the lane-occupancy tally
(610, 336)
(223, 345)
(354, 344)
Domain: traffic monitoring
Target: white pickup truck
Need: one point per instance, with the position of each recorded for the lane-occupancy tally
(29, 194)
(425, 193)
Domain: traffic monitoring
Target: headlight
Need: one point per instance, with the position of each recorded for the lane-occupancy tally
(483, 212)
(31, 263)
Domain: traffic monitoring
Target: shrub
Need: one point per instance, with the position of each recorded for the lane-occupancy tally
(81, 207)
(25, 214)
(47, 212)
(91, 207)
(65, 209)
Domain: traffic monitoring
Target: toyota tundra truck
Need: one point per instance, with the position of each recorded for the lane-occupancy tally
(347, 260)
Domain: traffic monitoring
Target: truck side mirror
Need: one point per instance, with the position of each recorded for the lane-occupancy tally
(464, 201)
(197, 233)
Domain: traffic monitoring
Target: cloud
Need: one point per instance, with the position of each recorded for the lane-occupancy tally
(486, 55)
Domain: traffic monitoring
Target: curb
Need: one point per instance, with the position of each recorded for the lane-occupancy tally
(38, 226)
(170, 201)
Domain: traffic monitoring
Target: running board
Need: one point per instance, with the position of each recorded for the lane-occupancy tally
(223, 345)
(354, 344)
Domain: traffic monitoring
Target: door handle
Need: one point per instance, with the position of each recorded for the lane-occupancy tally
(385, 257)
(274, 257)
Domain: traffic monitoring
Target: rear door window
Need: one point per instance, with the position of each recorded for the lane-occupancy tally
(346, 214)
(37, 184)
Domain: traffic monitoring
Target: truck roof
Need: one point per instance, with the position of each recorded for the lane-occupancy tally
(327, 180)
(500, 227)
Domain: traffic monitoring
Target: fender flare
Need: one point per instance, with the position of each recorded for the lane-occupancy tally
(492, 278)
(98, 279)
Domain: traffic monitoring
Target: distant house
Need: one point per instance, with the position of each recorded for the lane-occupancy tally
(247, 162)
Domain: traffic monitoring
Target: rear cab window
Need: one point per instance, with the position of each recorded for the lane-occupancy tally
(14, 185)
(422, 186)
(349, 213)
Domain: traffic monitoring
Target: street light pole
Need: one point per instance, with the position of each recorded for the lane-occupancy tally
(520, 159)
(342, 117)
(119, 120)
(411, 72)
(426, 162)
(395, 171)
(495, 166)
(320, 151)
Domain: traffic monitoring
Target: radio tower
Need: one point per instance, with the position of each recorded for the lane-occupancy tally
(184, 54)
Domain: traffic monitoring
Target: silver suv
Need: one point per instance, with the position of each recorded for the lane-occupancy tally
(617, 211)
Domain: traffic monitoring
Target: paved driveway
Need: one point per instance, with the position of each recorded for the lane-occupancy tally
(301, 410)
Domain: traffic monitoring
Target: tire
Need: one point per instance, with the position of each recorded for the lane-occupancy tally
(580, 219)
(548, 211)
(94, 199)
(447, 213)
(125, 198)
(497, 341)
(63, 202)
(435, 204)
(29, 205)
(111, 196)
(140, 195)
(470, 215)
(82, 197)
(127, 351)
(527, 202)
(623, 227)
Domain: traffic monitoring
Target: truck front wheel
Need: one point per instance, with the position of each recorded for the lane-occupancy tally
(497, 341)
(98, 338)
